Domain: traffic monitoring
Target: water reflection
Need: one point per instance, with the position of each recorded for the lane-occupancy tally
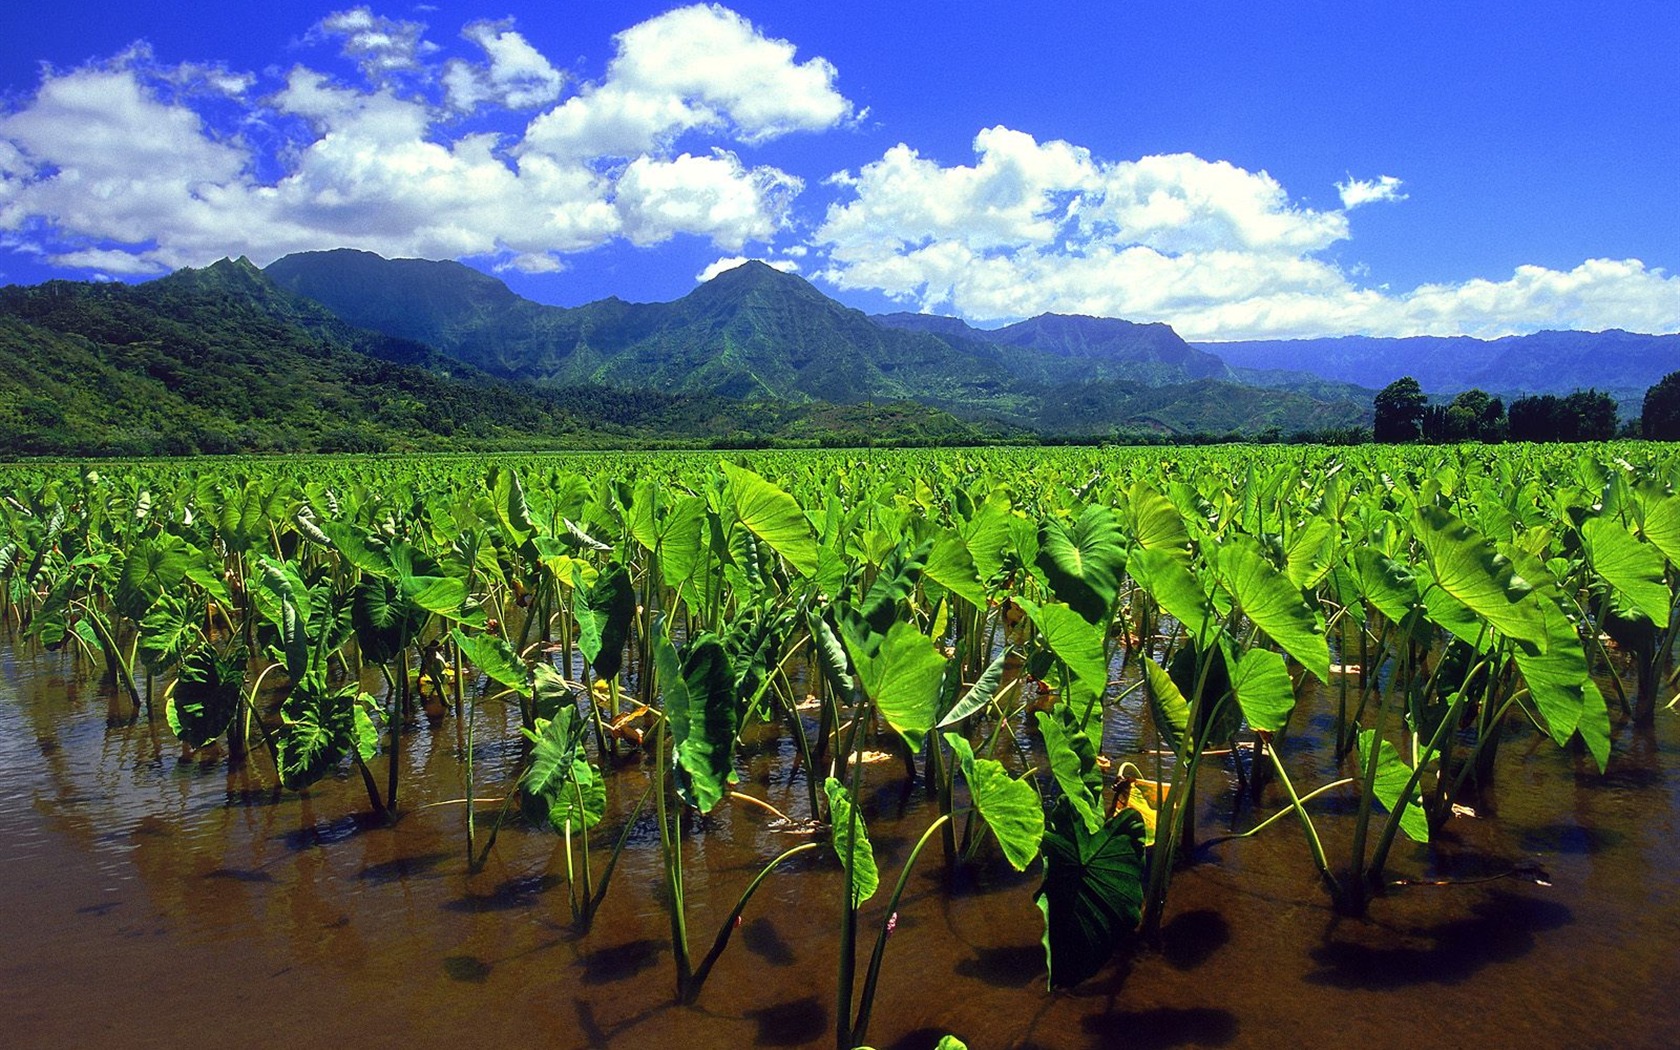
(181, 890)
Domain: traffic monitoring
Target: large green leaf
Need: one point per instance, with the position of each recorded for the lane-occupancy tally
(851, 842)
(1078, 645)
(151, 568)
(1469, 568)
(1309, 553)
(169, 629)
(1092, 893)
(1662, 524)
(1010, 807)
(507, 499)
(1072, 760)
(682, 541)
(604, 612)
(831, 654)
(774, 517)
(1595, 725)
(495, 657)
(1392, 777)
(951, 566)
(1633, 568)
(359, 548)
(1264, 689)
(1387, 584)
(1165, 576)
(1084, 561)
(1155, 523)
(385, 621)
(700, 702)
(901, 673)
(979, 695)
(1167, 703)
(1274, 604)
(987, 535)
(560, 786)
(288, 609)
(317, 729)
(206, 695)
(1557, 674)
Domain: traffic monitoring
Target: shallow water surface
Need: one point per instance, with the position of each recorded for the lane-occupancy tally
(152, 901)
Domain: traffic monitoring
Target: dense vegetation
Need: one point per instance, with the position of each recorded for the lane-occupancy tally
(221, 361)
(1402, 413)
(980, 614)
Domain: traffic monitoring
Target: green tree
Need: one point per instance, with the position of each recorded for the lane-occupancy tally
(1659, 420)
(1399, 411)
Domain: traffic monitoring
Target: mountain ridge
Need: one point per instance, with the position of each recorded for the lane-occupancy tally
(756, 332)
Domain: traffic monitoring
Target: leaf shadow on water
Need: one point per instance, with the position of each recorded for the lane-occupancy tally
(468, 968)
(761, 937)
(512, 895)
(619, 962)
(1502, 928)
(239, 875)
(399, 868)
(1570, 839)
(793, 1023)
(1009, 966)
(1191, 938)
(1162, 1027)
(328, 832)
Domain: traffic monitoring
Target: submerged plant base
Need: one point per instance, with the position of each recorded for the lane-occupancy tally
(166, 887)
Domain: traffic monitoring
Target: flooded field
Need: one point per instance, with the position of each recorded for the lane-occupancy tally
(156, 901)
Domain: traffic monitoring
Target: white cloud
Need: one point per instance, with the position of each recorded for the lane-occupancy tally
(1365, 191)
(379, 45)
(517, 75)
(725, 265)
(700, 68)
(715, 196)
(182, 165)
(1215, 250)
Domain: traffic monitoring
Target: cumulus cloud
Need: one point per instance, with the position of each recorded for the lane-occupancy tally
(725, 265)
(1218, 251)
(516, 75)
(1365, 191)
(700, 68)
(130, 166)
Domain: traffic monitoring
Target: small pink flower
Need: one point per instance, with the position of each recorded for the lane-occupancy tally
(892, 922)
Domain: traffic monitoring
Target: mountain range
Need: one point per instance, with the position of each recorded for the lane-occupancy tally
(1622, 364)
(346, 350)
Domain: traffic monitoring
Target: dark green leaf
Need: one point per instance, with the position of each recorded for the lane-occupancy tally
(1092, 893)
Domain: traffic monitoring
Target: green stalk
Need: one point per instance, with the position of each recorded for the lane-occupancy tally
(463, 715)
(1297, 804)
(866, 1004)
(728, 928)
(612, 861)
(671, 848)
(1379, 857)
(1360, 889)
(847, 972)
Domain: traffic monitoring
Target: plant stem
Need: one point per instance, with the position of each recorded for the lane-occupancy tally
(867, 1002)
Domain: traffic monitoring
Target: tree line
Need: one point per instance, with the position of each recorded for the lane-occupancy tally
(1402, 413)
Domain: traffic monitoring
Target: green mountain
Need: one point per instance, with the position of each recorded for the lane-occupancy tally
(1089, 348)
(223, 360)
(754, 332)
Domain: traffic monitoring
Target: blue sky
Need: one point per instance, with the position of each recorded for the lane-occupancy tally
(1238, 170)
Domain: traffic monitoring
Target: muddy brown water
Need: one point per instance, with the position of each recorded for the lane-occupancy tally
(151, 901)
